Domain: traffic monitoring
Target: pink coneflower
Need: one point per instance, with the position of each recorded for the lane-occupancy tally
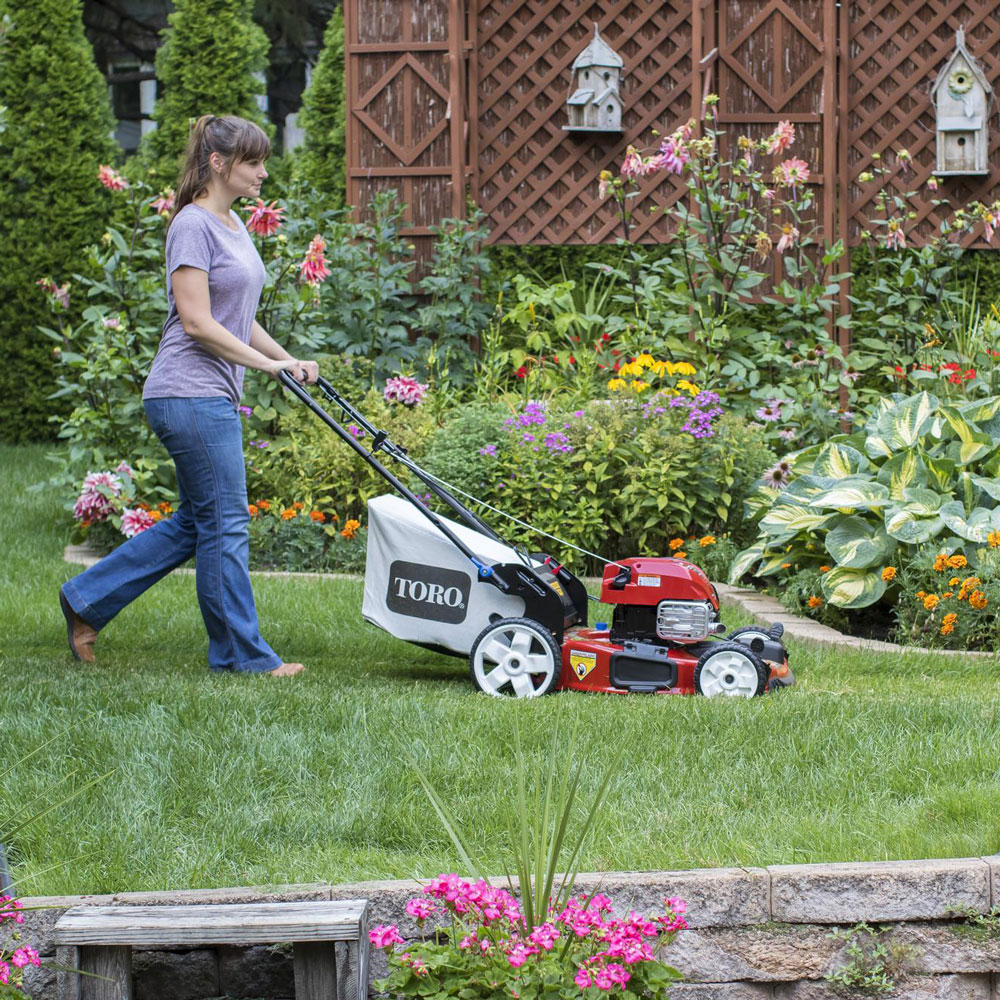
(111, 179)
(895, 239)
(781, 138)
(770, 411)
(789, 237)
(136, 520)
(313, 269)
(632, 166)
(778, 475)
(791, 172)
(266, 218)
(164, 205)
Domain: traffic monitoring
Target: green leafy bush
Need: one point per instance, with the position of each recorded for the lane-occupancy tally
(211, 50)
(294, 539)
(921, 472)
(56, 133)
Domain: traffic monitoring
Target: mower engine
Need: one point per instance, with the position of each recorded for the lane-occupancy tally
(662, 638)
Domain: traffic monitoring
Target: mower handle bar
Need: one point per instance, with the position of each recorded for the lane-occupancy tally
(383, 442)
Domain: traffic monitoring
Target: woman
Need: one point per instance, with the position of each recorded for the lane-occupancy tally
(214, 281)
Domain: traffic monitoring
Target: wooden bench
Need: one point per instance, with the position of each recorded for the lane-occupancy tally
(100, 939)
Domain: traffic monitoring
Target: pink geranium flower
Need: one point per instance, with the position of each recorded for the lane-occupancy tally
(135, 520)
(111, 179)
(384, 936)
(314, 268)
(266, 218)
(781, 138)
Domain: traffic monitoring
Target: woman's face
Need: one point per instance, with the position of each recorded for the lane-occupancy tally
(246, 177)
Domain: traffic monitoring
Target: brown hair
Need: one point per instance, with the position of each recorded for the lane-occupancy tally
(235, 139)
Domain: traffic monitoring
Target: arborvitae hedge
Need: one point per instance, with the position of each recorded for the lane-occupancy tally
(322, 162)
(210, 51)
(57, 132)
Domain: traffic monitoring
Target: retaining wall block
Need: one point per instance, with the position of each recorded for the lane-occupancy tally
(993, 861)
(257, 971)
(181, 975)
(962, 987)
(39, 923)
(950, 947)
(769, 953)
(878, 890)
(720, 991)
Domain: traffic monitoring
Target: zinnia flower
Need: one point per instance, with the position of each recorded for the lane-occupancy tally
(781, 138)
(266, 219)
(314, 268)
(111, 179)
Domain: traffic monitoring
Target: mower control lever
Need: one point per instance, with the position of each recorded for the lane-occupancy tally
(622, 579)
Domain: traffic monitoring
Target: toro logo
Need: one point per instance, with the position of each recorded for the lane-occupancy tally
(441, 595)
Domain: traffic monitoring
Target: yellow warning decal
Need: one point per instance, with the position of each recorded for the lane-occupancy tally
(554, 584)
(582, 663)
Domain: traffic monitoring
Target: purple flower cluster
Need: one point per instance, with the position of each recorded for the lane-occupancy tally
(533, 413)
(557, 441)
(260, 444)
(702, 410)
(490, 450)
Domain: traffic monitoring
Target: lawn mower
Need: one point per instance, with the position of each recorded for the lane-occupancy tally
(521, 618)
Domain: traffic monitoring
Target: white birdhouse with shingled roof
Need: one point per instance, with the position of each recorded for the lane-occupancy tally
(595, 104)
(961, 96)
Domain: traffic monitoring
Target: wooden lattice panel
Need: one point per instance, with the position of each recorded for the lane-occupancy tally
(538, 183)
(895, 50)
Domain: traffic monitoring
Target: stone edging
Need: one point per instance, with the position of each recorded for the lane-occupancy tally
(763, 608)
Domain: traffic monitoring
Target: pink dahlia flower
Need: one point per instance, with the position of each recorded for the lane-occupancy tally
(266, 218)
(781, 138)
(164, 205)
(314, 268)
(791, 172)
(403, 389)
(111, 179)
(135, 520)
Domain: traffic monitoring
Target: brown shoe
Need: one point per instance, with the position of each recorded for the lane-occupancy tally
(287, 670)
(79, 634)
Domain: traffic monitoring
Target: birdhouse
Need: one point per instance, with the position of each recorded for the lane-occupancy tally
(961, 98)
(595, 104)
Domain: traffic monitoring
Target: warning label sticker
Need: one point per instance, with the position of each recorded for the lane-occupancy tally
(582, 663)
(554, 584)
(648, 581)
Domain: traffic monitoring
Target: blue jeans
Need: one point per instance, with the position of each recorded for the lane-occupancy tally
(205, 440)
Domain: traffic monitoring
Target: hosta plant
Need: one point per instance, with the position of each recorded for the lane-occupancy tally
(922, 472)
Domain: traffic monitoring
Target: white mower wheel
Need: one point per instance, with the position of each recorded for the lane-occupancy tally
(517, 657)
(730, 669)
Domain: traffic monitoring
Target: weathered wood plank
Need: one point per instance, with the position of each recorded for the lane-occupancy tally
(250, 923)
(315, 971)
(107, 973)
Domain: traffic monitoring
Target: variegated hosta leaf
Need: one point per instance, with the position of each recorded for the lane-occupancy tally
(854, 494)
(852, 588)
(989, 486)
(881, 407)
(941, 472)
(857, 544)
(805, 488)
(839, 460)
(761, 500)
(903, 471)
(786, 518)
(976, 526)
(744, 562)
(908, 523)
(902, 426)
(876, 446)
(972, 444)
(980, 410)
(772, 564)
(801, 461)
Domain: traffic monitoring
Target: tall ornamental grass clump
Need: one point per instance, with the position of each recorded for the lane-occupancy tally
(56, 132)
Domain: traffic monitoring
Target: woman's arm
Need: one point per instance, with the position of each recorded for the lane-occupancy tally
(194, 306)
(262, 341)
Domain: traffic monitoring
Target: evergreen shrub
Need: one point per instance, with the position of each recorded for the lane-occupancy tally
(57, 132)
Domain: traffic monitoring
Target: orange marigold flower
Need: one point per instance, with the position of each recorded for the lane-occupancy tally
(941, 563)
(994, 539)
(350, 528)
(706, 541)
(947, 593)
(931, 601)
(318, 516)
(949, 619)
(253, 509)
(815, 602)
(921, 593)
(947, 629)
(824, 569)
(156, 515)
(676, 543)
(971, 581)
(889, 573)
(786, 565)
(978, 600)
(957, 562)
(288, 513)
(142, 505)
(680, 555)
(954, 581)
(263, 504)
(298, 505)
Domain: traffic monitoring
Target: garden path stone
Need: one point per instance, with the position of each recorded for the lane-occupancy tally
(878, 891)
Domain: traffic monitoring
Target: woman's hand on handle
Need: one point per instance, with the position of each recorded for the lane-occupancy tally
(304, 372)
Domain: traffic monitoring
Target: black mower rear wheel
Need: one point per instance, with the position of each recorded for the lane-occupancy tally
(516, 657)
(730, 669)
(745, 633)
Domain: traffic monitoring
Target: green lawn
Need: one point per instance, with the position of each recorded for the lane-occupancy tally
(227, 780)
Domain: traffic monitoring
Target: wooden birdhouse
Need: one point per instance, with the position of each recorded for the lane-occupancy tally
(595, 104)
(961, 98)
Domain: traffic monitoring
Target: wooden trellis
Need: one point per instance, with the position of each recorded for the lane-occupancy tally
(456, 97)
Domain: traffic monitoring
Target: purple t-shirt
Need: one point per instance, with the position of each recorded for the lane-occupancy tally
(182, 367)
